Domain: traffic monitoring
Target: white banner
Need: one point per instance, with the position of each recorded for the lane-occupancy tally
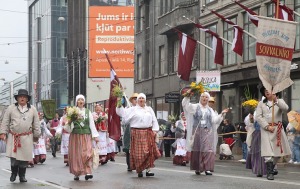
(210, 79)
(274, 52)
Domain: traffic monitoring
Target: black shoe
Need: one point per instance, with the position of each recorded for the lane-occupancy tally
(208, 173)
(76, 178)
(14, 173)
(67, 164)
(53, 154)
(87, 177)
(149, 174)
(183, 163)
(111, 159)
(129, 170)
(258, 175)
(140, 174)
(103, 163)
(275, 172)
(197, 172)
(22, 172)
(270, 173)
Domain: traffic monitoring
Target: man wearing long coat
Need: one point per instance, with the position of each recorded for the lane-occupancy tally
(20, 126)
(274, 142)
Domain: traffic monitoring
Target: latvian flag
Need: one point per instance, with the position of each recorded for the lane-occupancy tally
(216, 45)
(252, 15)
(285, 13)
(186, 55)
(237, 43)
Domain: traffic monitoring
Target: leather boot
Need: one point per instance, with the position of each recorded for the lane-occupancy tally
(270, 173)
(14, 173)
(275, 171)
(22, 172)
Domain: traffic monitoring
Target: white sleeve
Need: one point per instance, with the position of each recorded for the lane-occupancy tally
(189, 107)
(92, 126)
(155, 126)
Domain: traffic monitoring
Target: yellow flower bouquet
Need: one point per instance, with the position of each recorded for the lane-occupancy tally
(250, 105)
(172, 118)
(117, 92)
(195, 88)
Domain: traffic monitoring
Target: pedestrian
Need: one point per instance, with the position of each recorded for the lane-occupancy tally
(100, 119)
(39, 148)
(243, 136)
(127, 129)
(54, 123)
(64, 135)
(200, 133)
(144, 127)
(228, 128)
(181, 156)
(80, 142)
(21, 124)
(274, 144)
(294, 141)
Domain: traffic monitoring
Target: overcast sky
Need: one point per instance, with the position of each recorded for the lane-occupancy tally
(13, 31)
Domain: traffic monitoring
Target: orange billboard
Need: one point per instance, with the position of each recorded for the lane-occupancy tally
(111, 30)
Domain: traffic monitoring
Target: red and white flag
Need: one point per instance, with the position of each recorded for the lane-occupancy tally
(252, 15)
(285, 13)
(237, 43)
(217, 45)
(186, 55)
(114, 124)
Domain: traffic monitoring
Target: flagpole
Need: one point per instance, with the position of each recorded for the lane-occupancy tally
(219, 36)
(196, 40)
(277, 9)
(118, 81)
(298, 14)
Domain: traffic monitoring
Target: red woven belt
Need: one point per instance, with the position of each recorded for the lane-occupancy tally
(17, 141)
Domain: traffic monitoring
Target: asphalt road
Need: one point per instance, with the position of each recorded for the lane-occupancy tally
(228, 175)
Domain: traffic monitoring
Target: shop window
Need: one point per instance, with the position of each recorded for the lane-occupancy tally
(295, 97)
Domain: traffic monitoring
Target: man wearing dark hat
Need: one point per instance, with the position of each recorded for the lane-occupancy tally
(274, 142)
(21, 123)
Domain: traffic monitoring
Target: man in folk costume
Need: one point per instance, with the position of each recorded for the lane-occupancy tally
(127, 130)
(54, 123)
(39, 148)
(201, 133)
(181, 156)
(83, 130)
(21, 123)
(144, 127)
(65, 135)
(100, 119)
(274, 143)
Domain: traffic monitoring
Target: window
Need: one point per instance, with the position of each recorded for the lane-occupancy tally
(249, 42)
(297, 19)
(162, 61)
(162, 109)
(63, 48)
(209, 55)
(139, 67)
(140, 18)
(295, 97)
(230, 57)
(271, 9)
(209, 1)
(175, 55)
(147, 66)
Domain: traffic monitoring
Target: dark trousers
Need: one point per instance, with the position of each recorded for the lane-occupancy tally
(128, 159)
(19, 163)
(54, 144)
(167, 150)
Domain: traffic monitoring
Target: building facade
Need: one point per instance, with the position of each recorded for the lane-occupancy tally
(47, 58)
(157, 47)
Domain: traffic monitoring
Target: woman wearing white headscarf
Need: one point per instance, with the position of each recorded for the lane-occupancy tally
(144, 125)
(200, 133)
(80, 143)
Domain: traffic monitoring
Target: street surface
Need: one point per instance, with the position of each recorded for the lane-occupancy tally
(229, 174)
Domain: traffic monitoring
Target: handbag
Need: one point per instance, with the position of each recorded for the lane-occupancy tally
(95, 158)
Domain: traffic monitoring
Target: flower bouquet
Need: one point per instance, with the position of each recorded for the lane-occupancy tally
(195, 88)
(99, 119)
(117, 92)
(162, 127)
(72, 114)
(250, 104)
(172, 118)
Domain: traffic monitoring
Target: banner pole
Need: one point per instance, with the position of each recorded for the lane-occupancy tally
(277, 9)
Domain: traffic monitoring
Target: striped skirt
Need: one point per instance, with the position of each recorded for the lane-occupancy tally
(80, 154)
(143, 149)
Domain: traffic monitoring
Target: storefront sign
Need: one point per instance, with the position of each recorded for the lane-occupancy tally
(172, 97)
(210, 79)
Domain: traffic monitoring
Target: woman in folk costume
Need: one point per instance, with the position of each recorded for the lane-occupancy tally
(39, 148)
(65, 135)
(83, 131)
(200, 129)
(144, 125)
(127, 130)
(100, 119)
(254, 159)
(180, 157)
(274, 143)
